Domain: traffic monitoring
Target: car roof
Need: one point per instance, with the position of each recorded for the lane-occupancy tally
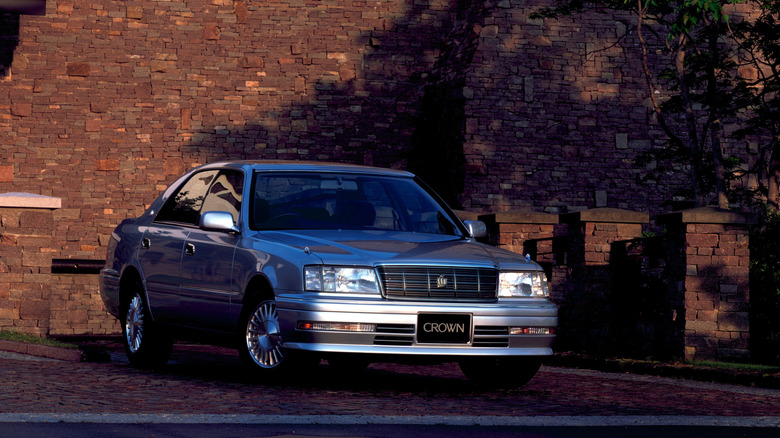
(305, 166)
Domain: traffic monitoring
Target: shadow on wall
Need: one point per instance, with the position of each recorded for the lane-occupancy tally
(9, 28)
(400, 106)
(9, 39)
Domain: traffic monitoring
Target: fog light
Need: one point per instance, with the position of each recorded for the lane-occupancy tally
(336, 326)
(531, 331)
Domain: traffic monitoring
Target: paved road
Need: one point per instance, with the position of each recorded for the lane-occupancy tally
(209, 385)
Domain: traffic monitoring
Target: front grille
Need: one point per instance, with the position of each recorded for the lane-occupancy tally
(438, 283)
(489, 336)
(394, 334)
(403, 335)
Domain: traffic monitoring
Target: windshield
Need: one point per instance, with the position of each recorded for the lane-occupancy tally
(327, 201)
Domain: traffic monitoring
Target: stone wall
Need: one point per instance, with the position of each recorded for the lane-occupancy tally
(685, 293)
(104, 103)
(616, 291)
(26, 248)
(716, 282)
(77, 309)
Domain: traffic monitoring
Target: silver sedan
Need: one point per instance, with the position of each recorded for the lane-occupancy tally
(292, 262)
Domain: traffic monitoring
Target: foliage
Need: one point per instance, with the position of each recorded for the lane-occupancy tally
(735, 366)
(718, 68)
(760, 49)
(765, 287)
(708, 54)
(30, 339)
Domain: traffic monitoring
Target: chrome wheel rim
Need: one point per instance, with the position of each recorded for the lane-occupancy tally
(134, 324)
(263, 336)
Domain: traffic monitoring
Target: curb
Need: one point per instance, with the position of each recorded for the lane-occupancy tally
(46, 351)
(97, 353)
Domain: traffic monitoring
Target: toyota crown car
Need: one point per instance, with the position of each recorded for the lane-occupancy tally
(293, 261)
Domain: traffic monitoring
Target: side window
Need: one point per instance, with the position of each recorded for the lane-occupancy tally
(225, 194)
(184, 206)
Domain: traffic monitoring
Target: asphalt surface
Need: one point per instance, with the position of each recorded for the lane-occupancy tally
(208, 385)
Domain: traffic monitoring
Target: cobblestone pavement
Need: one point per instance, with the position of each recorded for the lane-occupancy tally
(207, 380)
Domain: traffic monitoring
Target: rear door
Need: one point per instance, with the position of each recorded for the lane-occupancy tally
(160, 258)
(163, 244)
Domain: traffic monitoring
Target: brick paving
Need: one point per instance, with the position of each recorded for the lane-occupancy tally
(206, 380)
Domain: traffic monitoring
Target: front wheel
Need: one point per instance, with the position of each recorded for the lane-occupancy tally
(261, 347)
(500, 372)
(146, 345)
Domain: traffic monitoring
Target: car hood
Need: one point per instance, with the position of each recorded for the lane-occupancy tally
(371, 248)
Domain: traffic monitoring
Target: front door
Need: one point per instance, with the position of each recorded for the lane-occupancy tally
(207, 283)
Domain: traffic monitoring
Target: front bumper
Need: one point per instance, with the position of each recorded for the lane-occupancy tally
(396, 328)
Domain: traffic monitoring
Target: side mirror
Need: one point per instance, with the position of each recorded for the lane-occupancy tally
(218, 221)
(477, 229)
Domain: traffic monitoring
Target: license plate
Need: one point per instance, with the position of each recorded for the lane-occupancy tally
(434, 328)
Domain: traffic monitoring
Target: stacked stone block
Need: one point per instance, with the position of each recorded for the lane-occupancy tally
(103, 104)
(533, 234)
(77, 308)
(705, 261)
(26, 248)
(715, 282)
(587, 304)
(513, 230)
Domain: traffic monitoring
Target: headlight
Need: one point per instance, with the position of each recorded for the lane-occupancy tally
(341, 279)
(522, 285)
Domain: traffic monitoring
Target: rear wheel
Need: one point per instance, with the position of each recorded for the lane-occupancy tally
(146, 345)
(500, 372)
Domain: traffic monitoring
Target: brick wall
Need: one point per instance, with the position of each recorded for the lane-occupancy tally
(589, 294)
(716, 281)
(26, 242)
(77, 309)
(684, 293)
(104, 103)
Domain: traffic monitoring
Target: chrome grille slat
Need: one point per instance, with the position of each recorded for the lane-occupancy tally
(439, 283)
(491, 336)
(484, 330)
(393, 340)
(395, 328)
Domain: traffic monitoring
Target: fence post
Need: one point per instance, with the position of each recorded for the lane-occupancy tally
(586, 315)
(527, 233)
(26, 247)
(715, 280)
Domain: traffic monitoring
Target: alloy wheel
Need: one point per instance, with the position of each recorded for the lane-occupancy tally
(263, 336)
(134, 324)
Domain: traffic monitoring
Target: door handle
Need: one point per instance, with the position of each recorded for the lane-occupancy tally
(189, 249)
(146, 243)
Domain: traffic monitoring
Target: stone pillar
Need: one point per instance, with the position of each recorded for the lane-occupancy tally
(26, 248)
(523, 232)
(586, 313)
(530, 233)
(715, 281)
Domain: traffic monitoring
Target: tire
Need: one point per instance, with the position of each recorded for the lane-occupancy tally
(500, 372)
(146, 344)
